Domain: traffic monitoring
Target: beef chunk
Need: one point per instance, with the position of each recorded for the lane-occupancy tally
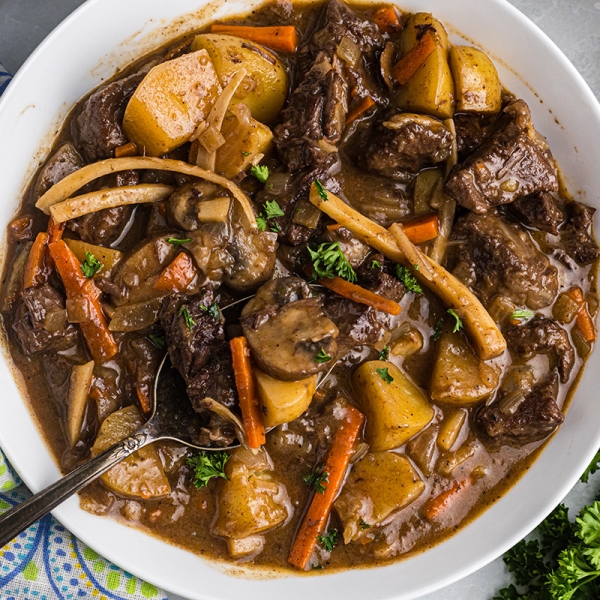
(578, 240)
(404, 144)
(470, 133)
(98, 127)
(63, 162)
(357, 323)
(542, 335)
(40, 323)
(500, 259)
(538, 210)
(535, 418)
(143, 359)
(199, 351)
(515, 161)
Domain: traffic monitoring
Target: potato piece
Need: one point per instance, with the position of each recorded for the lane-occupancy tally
(264, 89)
(459, 377)
(423, 449)
(250, 501)
(170, 102)
(108, 257)
(431, 89)
(451, 426)
(380, 484)
(140, 475)
(409, 342)
(476, 83)
(215, 210)
(79, 389)
(283, 401)
(452, 460)
(246, 546)
(396, 411)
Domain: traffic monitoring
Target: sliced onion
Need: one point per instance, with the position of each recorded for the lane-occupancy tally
(79, 389)
(211, 139)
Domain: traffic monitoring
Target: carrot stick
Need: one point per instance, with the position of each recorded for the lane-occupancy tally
(36, 269)
(177, 275)
(363, 106)
(387, 20)
(333, 227)
(337, 461)
(244, 382)
(583, 320)
(281, 37)
(410, 64)
(421, 229)
(80, 289)
(55, 231)
(435, 506)
(144, 400)
(129, 149)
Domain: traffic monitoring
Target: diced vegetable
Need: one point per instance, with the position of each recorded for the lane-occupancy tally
(36, 269)
(79, 389)
(283, 401)
(140, 475)
(377, 486)
(176, 276)
(409, 342)
(129, 149)
(452, 460)
(425, 183)
(450, 428)
(423, 449)
(583, 321)
(170, 102)
(476, 81)
(414, 60)
(264, 88)
(435, 507)
(395, 408)
(108, 257)
(215, 210)
(566, 308)
(306, 214)
(361, 108)
(421, 229)
(278, 37)
(387, 19)
(253, 544)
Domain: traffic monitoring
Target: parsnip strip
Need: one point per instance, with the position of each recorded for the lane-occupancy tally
(75, 181)
(109, 198)
(483, 332)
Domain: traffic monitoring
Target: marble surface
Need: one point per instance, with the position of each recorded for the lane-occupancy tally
(574, 25)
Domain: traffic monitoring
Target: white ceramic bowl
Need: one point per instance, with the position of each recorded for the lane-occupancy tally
(104, 35)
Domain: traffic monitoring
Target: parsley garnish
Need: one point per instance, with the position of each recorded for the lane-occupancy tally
(261, 172)
(317, 479)
(158, 339)
(437, 330)
(321, 190)
(385, 353)
(329, 540)
(364, 525)
(185, 313)
(91, 265)
(271, 209)
(522, 314)
(177, 242)
(375, 265)
(322, 356)
(245, 153)
(591, 468)
(458, 323)
(207, 465)
(408, 279)
(385, 375)
(212, 310)
(329, 261)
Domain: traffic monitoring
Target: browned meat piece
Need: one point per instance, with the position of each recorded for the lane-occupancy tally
(406, 143)
(578, 240)
(63, 162)
(539, 211)
(98, 127)
(143, 359)
(501, 261)
(515, 161)
(41, 324)
(535, 418)
(542, 335)
(470, 133)
(357, 323)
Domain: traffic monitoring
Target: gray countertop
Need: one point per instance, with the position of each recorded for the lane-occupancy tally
(574, 25)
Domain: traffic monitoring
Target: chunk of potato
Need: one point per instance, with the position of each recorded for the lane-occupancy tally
(245, 547)
(459, 376)
(431, 89)
(283, 401)
(108, 257)
(140, 475)
(170, 102)
(380, 484)
(476, 81)
(264, 89)
(395, 411)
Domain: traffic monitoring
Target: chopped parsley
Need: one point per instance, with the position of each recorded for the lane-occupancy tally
(321, 190)
(317, 479)
(207, 465)
(245, 153)
(212, 310)
(522, 314)
(177, 242)
(364, 525)
(185, 313)
(329, 261)
(408, 279)
(437, 330)
(322, 356)
(591, 468)
(385, 353)
(91, 265)
(329, 540)
(385, 375)
(271, 209)
(375, 265)
(158, 339)
(457, 322)
(261, 172)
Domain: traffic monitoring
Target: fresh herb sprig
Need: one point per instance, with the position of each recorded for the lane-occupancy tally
(185, 313)
(178, 242)
(317, 479)
(158, 339)
(408, 279)
(207, 465)
(521, 315)
(261, 172)
(322, 356)
(329, 261)
(329, 540)
(385, 375)
(271, 209)
(321, 190)
(457, 320)
(212, 310)
(91, 265)
(385, 353)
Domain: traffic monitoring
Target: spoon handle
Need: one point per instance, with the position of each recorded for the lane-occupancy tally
(25, 514)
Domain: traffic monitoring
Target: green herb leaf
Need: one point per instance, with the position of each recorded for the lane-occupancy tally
(408, 279)
(321, 190)
(261, 172)
(322, 356)
(364, 525)
(185, 313)
(385, 353)
(213, 311)
(317, 479)
(591, 468)
(158, 339)
(458, 323)
(375, 265)
(261, 223)
(437, 330)
(522, 314)
(207, 465)
(177, 242)
(91, 265)
(385, 375)
(329, 540)
(329, 261)
(275, 228)
(245, 153)
(272, 209)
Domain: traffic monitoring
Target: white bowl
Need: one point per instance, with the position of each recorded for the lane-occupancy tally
(104, 35)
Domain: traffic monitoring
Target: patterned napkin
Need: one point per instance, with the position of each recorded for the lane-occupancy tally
(46, 562)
